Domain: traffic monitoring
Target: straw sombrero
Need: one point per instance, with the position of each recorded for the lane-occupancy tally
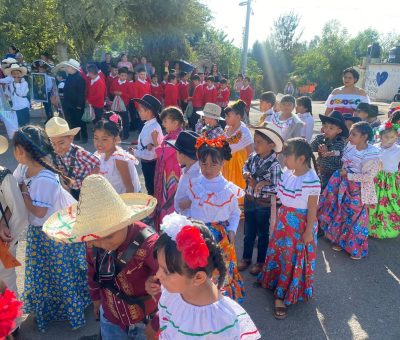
(211, 110)
(71, 62)
(99, 212)
(3, 144)
(16, 67)
(272, 132)
(58, 127)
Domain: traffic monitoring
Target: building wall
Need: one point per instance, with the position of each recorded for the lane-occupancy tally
(382, 81)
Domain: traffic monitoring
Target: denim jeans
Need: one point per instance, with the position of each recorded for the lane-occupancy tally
(110, 331)
(256, 223)
(23, 116)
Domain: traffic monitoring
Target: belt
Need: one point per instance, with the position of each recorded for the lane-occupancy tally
(148, 161)
(259, 200)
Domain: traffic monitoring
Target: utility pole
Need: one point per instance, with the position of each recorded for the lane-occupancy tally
(246, 36)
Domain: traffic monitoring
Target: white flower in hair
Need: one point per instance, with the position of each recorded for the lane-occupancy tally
(173, 223)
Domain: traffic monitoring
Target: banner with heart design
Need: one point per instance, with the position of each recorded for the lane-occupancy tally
(381, 77)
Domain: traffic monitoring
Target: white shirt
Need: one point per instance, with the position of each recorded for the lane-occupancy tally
(11, 198)
(354, 159)
(390, 158)
(240, 139)
(224, 319)
(146, 139)
(18, 92)
(92, 81)
(182, 191)
(45, 191)
(49, 83)
(108, 169)
(308, 128)
(215, 200)
(293, 191)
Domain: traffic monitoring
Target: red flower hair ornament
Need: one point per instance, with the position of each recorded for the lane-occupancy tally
(189, 241)
(10, 309)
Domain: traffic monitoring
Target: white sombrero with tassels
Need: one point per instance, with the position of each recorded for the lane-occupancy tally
(99, 212)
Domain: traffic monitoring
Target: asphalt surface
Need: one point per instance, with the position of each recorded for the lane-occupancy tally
(353, 299)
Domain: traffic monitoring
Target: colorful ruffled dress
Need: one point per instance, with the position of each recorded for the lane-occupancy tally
(55, 273)
(384, 217)
(168, 172)
(343, 208)
(215, 202)
(238, 142)
(221, 320)
(109, 170)
(290, 264)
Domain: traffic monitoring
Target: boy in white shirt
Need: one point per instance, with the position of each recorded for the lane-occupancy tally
(150, 137)
(304, 111)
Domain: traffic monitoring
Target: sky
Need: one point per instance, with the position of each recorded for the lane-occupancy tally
(355, 15)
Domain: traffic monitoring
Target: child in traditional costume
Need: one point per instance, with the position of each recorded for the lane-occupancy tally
(191, 305)
(214, 200)
(55, 274)
(384, 217)
(343, 209)
(240, 141)
(209, 122)
(292, 250)
(168, 170)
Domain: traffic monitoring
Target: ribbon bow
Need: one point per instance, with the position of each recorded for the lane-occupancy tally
(114, 118)
(215, 143)
(389, 125)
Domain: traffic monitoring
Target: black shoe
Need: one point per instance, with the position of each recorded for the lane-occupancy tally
(320, 233)
(91, 337)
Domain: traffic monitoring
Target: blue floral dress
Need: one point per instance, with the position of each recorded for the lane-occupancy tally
(55, 274)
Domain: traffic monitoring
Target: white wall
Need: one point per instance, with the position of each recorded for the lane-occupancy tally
(382, 81)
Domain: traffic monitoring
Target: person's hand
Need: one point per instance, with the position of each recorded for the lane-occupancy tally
(96, 309)
(5, 233)
(322, 149)
(185, 204)
(231, 236)
(154, 135)
(308, 236)
(149, 147)
(23, 187)
(252, 182)
(152, 286)
(246, 175)
(343, 173)
(150, 333)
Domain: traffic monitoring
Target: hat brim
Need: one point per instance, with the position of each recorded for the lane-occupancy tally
(272, 135)
(72, 132)
(61, 225)
(342, 125)
(65, 64)
(189, 154)
(146, 104)
(208, 115)
(3, 145)
(21, 69)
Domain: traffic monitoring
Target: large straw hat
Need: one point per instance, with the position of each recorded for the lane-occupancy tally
(99, 212)
(211, 110)
(58, 127)
(15, 67)
(272, 132)
(3, 144)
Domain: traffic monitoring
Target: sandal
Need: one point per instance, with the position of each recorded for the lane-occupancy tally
(336, 247)
(356, 257)
(256, 269)
(280, 313)
(243, 265)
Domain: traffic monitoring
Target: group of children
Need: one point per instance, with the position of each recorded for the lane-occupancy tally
(269, 170)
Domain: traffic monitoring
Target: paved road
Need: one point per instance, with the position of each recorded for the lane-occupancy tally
(353, 299)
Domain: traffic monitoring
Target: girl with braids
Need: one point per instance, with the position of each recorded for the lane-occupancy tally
(214, 201)
(55, 274)
(116, 165)
(290, 263)
(343, 211)
(191, 305)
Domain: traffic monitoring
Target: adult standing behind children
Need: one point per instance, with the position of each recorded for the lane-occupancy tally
(74, 98)
(246, 94)
(346, 98)
(124, 62)
(74, 161)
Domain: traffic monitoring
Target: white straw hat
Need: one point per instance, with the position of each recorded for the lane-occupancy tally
(211, 110)
(58, 127)
(71, 62)
(279, 97)
(272, 133)
(15, 67)
(3, 144)
(99, 212)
